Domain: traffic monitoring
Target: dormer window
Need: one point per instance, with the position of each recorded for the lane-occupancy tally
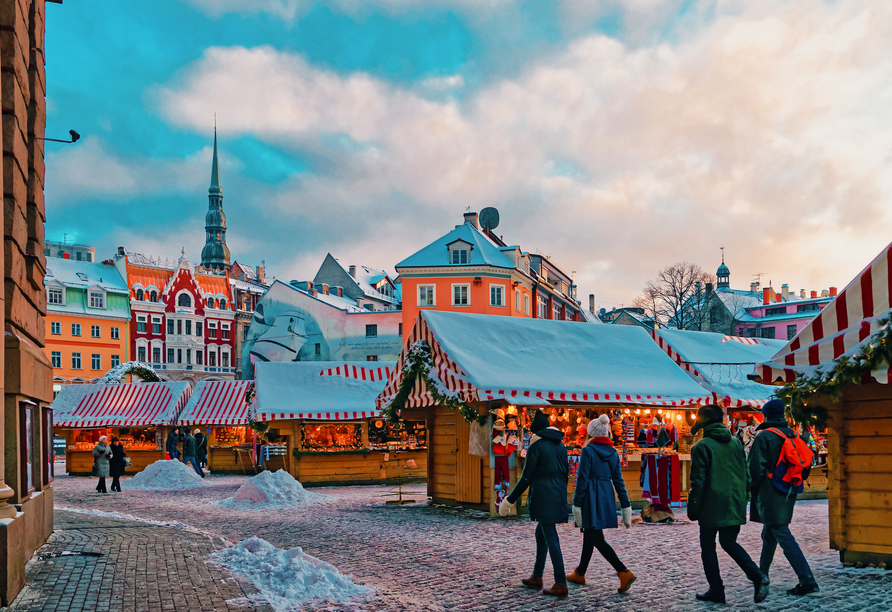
(460, 256)
(82, 276)
(459, 252)
(139, 295)
(55, 296)
(184, 301)
(97, 299)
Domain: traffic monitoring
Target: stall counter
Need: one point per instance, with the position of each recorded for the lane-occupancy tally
(632, 479)
(359, 468)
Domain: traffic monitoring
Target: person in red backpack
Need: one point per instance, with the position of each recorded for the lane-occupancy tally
(770, 505)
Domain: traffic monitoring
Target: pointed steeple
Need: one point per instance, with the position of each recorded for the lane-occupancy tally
(215, 254)
(215, 172)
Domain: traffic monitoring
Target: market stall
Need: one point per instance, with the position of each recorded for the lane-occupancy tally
(478, 379)
(136, 413)
(325, 411)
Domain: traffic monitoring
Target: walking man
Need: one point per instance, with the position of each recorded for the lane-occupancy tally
(189, 453)
(717, 500)
(772, 507)
(171, 445)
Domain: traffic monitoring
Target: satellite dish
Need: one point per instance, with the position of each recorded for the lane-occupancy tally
(489, 218)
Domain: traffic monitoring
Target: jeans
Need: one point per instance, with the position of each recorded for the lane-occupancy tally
(772, 535)
(547, 543)
(592, 539)
(194, 463)
(728, 542)
(175, 455)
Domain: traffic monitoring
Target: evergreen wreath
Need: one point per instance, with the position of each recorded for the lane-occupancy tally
(848, 370)
(419, 361)
(135, 368)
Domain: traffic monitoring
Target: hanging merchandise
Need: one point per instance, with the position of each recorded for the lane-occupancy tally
(477, 441)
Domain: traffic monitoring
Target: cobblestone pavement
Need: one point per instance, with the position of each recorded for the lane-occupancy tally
(421, 557)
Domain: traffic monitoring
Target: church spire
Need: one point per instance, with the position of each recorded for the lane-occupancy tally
(215, 172)
(215, 254)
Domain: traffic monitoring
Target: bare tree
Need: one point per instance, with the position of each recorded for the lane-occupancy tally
(677, 297)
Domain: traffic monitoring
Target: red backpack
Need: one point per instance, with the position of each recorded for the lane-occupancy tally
(793, 464)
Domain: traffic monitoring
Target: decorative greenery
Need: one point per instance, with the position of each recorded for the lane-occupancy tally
(135, 368)
(799, 395)
(419, 362)
(250, 391)
(316, 453)
(262, 429)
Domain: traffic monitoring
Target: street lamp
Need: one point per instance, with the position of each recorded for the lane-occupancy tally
(74, 138)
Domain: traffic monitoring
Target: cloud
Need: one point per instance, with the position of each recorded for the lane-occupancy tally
(765, 130)
(293, 9)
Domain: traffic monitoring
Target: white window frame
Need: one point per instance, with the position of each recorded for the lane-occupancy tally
(433, 296)
(526, 305)
(467, 287)
(97, 299)
(541, 307)
(115, 333)
(79, 362)
(517, 300)
(501, 294)
(60, 291)
(57, 359)
(556, 311)
(96, 361)
(95, 331)
(115, 361)
(55, 328)
(460, 254)
(76, 326)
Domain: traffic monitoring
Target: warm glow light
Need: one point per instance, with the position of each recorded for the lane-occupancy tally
(638, 411)
(660, 411)
(678, 417)
(647, 411)
(627, 411)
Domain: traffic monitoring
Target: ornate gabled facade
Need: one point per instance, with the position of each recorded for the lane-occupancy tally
(215, 254)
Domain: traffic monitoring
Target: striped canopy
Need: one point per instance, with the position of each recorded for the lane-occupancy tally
(841, 328)
(219, 402)
(120, 405)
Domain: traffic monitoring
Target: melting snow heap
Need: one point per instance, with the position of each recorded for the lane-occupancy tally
(290, 578)
(166, 474)
(271, 490)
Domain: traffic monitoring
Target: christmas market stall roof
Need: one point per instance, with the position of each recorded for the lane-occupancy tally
(119, 405)
(721, 364)
(218, 402)
(318, 390)
(483, 357)
(843, 328)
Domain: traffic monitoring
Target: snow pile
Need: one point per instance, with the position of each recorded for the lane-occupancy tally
(271, 490)
(170, 475)
(289, 579)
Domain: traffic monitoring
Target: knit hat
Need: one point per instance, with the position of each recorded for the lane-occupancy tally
(101, 438)
(599, 427)
(707, 415)
(540, 422)
(774, 410)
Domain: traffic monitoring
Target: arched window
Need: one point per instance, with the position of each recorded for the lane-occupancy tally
(139, 295)
(153, 296)
(222, 304)
(210, 302)
(184, 300)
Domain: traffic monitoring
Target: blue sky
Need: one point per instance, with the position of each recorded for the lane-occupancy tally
(616, 136)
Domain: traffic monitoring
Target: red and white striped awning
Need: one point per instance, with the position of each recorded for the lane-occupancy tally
(841, 328)
(358, 372)
(219, 402)
(122, 405)
(316, 416)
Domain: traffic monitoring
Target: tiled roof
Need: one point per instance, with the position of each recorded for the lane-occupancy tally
(146, 276)
(215, 285)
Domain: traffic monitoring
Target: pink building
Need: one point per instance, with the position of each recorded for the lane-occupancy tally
(782, 315)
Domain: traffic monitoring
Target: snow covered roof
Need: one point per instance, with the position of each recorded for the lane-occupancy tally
(119, 405)
(483, 251)
(720, 364)
(84, 274)
(219, 402)
(737, 301)
(248, 286)
(590, 317)
(319, 390)
(482, 357)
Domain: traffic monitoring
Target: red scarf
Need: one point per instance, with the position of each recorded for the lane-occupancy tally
(600, 440)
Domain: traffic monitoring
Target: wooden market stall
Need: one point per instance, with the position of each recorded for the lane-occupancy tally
(136, 413)
(847, 348)
(505, 368)
(326, 413)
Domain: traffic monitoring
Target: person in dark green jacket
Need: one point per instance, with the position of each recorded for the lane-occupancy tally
(770, 506)
(717, 500)
(189, 454)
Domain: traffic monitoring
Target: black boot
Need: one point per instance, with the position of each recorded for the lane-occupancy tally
(761, 589)
(713, 595)
(804, 589)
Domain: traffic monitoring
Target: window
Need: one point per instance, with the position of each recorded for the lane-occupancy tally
(156, 326)
(526, 305)
(372, 358)
(318, 349)
(97, 361)
(115, 361)
(212, 359)
(198, 328)
(140, 296)
(770, 312)
(768, 332)
(169, 355)
(517, 300)
(188, 357)
(57, 359)
(427, 295)
(807, 307)
(460, 295)
(198, 357)
(140, 324)
(179, 355)
(714, 317)
(75, 329)
(179, 327)
(401, 329)
(225, 331)
(54, 296)
(170, 326)
(75, 361)
(222, 304)
(116, 333)
(224, 360)
(751, 332)
(188, 328)
(184, 300)
(153, 296)
(212, 330)
(460, 256)
(94, 331)
(496, 295)
(97, 300)
(56, 328)
(371, 331)
(741, 332)
(791, 332)
(210, 302)
(156, 354)
(141, 353)
(542, 307)
(556, 312)
(245, 334)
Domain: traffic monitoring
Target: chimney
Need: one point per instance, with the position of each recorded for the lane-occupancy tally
(766, 295)
(66, 255)
(591, 303)
(708, 288)
(260, 273)
(802, 293)
(832, 291)
(471, 217)
(325, 288)
(785, 292)
(360, 301)
(352, 271)
(814, 294)
(778, 298)
(825, 293)
(121, 251)
(753, 287)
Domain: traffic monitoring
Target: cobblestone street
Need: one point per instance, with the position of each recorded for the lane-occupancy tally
(417, 557)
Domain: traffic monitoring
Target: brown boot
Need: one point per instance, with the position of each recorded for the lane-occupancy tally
(557, 590)
(576, 577)
(533, 582)
(626, 579)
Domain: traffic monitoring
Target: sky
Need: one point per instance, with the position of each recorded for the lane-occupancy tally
(615, 136)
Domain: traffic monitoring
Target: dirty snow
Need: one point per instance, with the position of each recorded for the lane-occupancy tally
(271, 490)
(123, 517)
(288, 579)
(165, 474)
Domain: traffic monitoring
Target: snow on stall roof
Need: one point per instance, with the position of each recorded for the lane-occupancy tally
(270, 490)
(119, 404)
(168, 475)
(540, 355)
(484, 252)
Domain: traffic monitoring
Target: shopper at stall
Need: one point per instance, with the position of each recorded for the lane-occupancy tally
(546, 473)
(770, 506)
(102, 452)
(717, 500)
(594, 503)
(171, 446)
(201, 448)
(189, 453)
(116, 463)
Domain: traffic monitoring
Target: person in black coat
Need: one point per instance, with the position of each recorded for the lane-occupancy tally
(116, 464)
(201, 448)
(772, 507)
(171, 445)
(546, 473)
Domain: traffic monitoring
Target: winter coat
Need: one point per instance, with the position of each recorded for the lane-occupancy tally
(201, 447)
(719, 479)
(188, 446)
(102, 452)
(116, 463)
(769, 506)
(171, 446)
(599, 474)
(546, 473)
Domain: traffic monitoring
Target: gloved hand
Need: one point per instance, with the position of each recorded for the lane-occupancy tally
(505, 508)
(577, 516)
(627, 517)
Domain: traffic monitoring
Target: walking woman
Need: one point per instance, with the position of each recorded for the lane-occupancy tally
(546, 473)
(116, 464)
(594, 504)
(102, 452)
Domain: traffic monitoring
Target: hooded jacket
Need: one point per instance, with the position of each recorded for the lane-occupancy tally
(599, 474)
(769, 506)
(546, 474)
(171, 446)
(719, 479)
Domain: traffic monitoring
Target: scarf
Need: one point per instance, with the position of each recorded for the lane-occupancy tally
(600, 440)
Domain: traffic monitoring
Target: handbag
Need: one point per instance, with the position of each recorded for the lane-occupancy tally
(127, 461)
(95, 471)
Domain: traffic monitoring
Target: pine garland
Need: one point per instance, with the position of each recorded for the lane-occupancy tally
(135, 368)
(852, 370)
(419, 361)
